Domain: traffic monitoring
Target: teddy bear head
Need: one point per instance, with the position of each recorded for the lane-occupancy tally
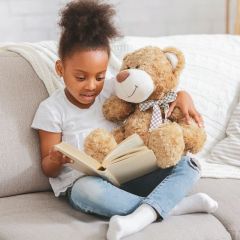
(149, 73)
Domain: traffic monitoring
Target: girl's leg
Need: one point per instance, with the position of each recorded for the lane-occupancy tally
(174, 187)
(199, 202)
(97, 196)
(94, 195)
(162, 199)
(120, 226)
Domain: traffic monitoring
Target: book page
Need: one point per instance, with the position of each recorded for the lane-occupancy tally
(134, 166)
(132, 142)
(113, 159)
(82, 161)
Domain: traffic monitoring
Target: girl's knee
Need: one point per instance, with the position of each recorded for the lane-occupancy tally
(87, 189)
(191, 163)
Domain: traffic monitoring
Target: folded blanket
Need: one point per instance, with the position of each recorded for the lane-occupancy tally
(43, 55)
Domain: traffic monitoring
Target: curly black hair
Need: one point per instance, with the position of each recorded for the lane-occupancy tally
(86, 24)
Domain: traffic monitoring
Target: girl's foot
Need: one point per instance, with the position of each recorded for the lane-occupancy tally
(121, 226)
(199, 202)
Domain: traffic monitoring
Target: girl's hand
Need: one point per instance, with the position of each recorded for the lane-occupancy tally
(58, 157)
(186, 105)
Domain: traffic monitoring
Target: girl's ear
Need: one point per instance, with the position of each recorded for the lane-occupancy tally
(59, 68)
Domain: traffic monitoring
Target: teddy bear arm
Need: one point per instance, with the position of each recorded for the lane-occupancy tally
(115, 109)
(194, 137)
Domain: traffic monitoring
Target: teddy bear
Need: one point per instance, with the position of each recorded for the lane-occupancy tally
(145, 86)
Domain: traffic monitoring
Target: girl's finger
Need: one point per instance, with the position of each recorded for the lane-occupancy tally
(186, 114)
(197, 117)
(187, 117)
(67, 159)
(199, 120)
(172, 106)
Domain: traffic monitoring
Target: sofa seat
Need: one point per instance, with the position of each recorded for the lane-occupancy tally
(42, 216)
(227, 193)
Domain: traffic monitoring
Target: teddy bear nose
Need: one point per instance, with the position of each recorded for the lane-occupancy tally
(122, 76)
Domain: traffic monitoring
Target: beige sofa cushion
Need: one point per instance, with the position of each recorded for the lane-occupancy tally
(227, 193)
(20, 93)
(41, 216)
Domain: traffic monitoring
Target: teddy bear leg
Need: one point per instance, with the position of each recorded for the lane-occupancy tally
(194, 137)
(168, 144)
(99, 143)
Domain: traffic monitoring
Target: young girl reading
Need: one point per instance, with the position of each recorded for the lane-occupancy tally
(70, 114)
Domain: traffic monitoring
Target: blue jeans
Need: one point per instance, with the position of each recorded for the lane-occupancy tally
(162, 189)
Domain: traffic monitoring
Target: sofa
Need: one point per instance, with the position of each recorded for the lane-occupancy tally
(28, 208)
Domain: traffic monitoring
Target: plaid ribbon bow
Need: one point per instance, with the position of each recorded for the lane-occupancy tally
(157, 119)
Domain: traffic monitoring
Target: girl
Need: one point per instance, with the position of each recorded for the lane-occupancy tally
(70, 114)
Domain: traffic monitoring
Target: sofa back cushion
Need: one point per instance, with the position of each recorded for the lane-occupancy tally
(21, 92)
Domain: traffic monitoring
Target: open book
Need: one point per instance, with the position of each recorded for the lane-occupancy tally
(129, 160)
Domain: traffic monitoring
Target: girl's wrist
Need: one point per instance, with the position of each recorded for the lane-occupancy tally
(51, 167)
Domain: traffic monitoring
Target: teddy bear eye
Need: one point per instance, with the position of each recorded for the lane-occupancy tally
(128, 67)
(138, 66)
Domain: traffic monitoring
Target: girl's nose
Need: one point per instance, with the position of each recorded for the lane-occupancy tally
(122, 76)
(91, 84)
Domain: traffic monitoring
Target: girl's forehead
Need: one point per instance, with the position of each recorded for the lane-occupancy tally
(86, 60)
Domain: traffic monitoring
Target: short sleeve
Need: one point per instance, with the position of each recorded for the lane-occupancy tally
(47, 118)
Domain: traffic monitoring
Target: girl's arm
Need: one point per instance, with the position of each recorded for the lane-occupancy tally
(186, 105)
(52, 160)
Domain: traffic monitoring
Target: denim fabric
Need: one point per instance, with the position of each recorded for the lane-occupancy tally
(162, 189)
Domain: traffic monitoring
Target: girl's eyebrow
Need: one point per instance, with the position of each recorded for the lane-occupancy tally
(79, 70)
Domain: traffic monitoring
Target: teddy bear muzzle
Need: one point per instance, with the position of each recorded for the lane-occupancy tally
(134, 85)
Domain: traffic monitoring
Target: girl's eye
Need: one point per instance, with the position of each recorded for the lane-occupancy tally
(100, 78)
(81, 78)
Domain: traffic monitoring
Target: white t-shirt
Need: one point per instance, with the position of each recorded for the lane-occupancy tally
(57, 114)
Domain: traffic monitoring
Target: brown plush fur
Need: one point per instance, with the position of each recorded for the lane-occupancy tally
(172, 139)
(101, 140)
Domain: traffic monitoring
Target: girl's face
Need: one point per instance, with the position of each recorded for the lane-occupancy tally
(83, 73)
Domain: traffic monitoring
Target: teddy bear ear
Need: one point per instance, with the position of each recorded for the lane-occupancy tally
(125, 56)
(172, 58)
(176, 58)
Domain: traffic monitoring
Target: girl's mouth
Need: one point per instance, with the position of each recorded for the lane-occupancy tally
(88, 96)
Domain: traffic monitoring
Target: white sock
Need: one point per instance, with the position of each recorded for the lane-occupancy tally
(199, 202)
(121, 226)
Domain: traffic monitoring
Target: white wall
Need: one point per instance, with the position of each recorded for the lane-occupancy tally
(28, 20)
(35, 20)
(167, 17)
